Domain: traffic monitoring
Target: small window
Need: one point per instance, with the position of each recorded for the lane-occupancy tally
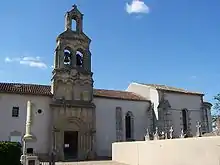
(15, 139)
(15, 111)
(39, 111)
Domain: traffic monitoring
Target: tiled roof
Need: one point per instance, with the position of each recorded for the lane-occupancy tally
(124, 95)
(18, 88)
(45, 90)
(172, 89)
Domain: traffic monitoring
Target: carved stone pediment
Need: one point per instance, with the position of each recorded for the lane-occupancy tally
(70, 119)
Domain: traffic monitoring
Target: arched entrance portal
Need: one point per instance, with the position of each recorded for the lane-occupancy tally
(72, 138)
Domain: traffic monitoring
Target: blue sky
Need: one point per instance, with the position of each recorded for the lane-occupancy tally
(168, 42)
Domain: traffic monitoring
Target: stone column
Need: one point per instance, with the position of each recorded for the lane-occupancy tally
(79, 24)
(73, 58)
(59, 144)
(87, 60)
(203, 119)
(55, 63)
(81, 146)
(68, 23)
(167, 120)
(60, 55)
(161, 121)
(150, 118)
(189, 132)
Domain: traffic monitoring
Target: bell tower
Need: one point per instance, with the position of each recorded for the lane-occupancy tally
(72, 77)
(72, 87)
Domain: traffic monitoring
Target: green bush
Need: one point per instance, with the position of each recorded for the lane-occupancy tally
(10, 153)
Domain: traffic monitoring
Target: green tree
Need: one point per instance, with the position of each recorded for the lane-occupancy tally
(10, 153)
(216, 109)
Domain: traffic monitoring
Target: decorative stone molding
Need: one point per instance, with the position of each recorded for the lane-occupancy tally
(119, 125)
(82, 120)
(72, 107)
(205, 111)
(151, 118)
(165, 120)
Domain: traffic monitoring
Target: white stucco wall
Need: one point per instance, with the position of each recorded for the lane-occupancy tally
(106, 121)
(148, 92)
(105, 117)
(10, 124)
(180, 101)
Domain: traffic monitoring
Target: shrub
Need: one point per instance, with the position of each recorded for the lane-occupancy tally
(10, 153)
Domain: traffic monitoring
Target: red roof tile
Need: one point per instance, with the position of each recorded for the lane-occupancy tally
(124, 95)
(45, 90)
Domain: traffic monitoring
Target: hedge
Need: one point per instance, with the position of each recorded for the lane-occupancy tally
(10, 153)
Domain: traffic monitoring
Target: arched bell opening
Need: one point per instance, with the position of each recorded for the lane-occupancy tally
(79, 58)
(73, 24)
(67, 56)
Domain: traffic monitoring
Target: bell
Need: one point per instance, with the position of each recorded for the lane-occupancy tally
(66, 59)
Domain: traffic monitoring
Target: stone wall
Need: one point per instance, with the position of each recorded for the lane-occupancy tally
(189, 151)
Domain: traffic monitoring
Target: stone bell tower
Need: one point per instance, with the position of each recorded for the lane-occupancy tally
(72, 76)
(72, 88)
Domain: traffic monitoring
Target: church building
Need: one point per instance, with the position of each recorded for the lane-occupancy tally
(76, 121)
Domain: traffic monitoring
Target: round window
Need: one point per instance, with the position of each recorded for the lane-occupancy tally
(39, 111)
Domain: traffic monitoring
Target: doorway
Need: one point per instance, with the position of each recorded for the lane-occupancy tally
(185, 121)
(70, 145)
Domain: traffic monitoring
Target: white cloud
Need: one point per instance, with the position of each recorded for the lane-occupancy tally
(7, 59)
(137, 6)
(30, 61)
(193, 77)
